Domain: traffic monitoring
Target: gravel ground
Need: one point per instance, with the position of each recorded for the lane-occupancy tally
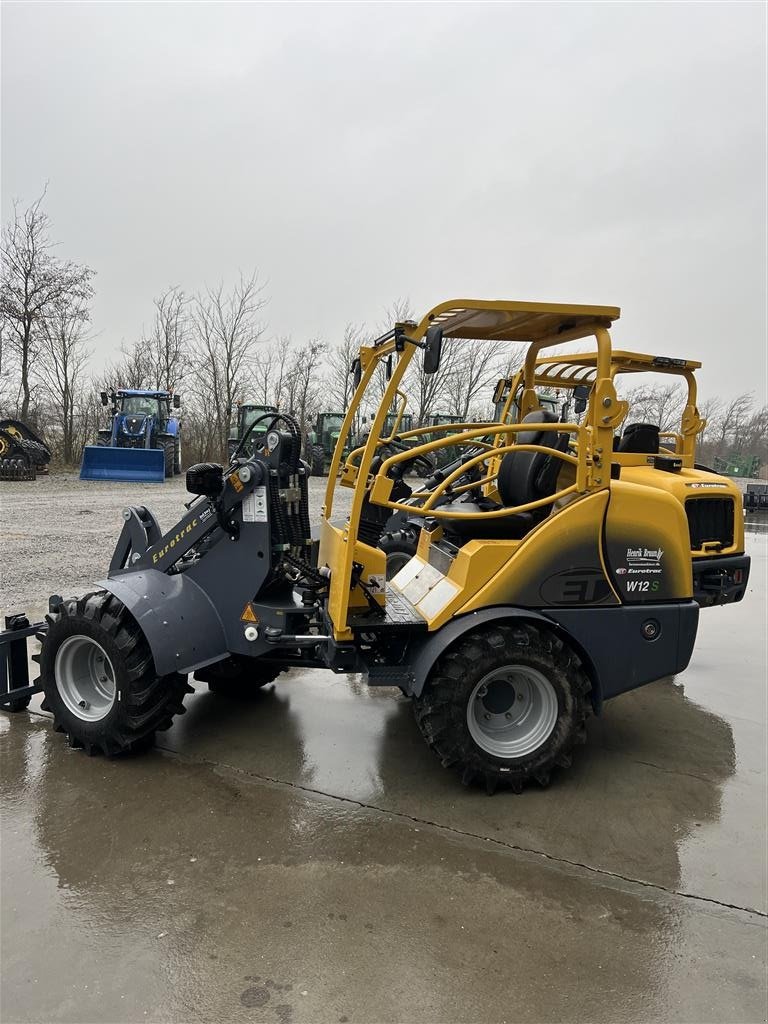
(58, 532)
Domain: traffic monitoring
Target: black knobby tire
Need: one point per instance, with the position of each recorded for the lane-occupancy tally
(400, 547)
(237, 677)
(144, 702)
(168, 452)
(442, 710)
(37, 454)
(318, 460)
(177, 455)
(104, 438)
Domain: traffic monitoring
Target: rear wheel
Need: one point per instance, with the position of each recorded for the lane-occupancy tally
(177, 455)
(505, 706)
(239, 678)
(400, 547)
(99, 678)
(318, 460)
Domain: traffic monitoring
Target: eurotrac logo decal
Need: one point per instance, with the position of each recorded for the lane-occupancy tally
(642, 562)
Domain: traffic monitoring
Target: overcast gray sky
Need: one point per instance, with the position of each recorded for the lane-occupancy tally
(359, 153)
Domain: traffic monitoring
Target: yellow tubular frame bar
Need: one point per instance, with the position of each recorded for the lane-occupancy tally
(595, 437)
(579, 461)
(442, 428)
(691, 423)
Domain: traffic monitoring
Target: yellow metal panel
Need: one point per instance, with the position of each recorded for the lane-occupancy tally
(569, 540)
(503, 320)
(647, 540)
(687, 486)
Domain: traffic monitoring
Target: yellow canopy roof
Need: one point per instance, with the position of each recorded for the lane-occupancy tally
(489, 320)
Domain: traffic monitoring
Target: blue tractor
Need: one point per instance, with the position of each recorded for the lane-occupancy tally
(143, 443)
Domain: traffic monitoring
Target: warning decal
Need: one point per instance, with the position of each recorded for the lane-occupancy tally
(249, 615)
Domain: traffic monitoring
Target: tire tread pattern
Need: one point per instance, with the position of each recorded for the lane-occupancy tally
(148, 702)
(441, 708)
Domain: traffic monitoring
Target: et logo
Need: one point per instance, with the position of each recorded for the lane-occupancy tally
(576, 587)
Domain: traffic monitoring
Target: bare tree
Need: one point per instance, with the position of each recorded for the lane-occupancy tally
(131, 370)
(303, 384)
(34, 282)
(167, 347)
(474, 369)
(657, 403)
(6, 373)
(341, 385)
(427, 391)
(62, 363)
(270, 373)
(226, 330)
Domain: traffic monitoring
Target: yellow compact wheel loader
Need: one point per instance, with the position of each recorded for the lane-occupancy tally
(558, 562)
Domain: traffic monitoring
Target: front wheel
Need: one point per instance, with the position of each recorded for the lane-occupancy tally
(168, 453)
(505, 706)
(318, 460)
(99, 678)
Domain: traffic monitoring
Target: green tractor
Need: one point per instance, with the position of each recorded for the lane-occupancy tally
(547, 400)
(321, 441)
(737, 465)
(248, 413)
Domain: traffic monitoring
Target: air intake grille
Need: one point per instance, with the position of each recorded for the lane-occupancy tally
(710, 520)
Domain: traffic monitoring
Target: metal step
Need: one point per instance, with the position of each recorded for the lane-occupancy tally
(399, 615)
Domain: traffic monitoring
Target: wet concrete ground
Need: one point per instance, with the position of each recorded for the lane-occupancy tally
(303, 857)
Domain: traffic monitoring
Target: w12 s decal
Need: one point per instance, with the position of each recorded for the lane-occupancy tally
(642, 586)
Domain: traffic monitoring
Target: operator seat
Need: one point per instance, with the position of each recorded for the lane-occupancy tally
(639, 438)
(523, 477)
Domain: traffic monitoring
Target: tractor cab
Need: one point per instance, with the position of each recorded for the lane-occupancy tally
(322, 440)
(251, 419)
(506, 400)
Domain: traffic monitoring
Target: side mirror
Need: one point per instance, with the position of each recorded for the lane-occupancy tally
(177, 401)
(498, 392)
(433, 346)
(357, 372)
(580, 398)
(104, 398)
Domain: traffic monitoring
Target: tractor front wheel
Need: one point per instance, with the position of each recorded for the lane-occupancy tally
(99, 678)
(168, 449)
(318, 460)
(505, 706)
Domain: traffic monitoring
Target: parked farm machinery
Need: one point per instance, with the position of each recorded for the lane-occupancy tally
(142, 443)
(23, 454)
(321, 441)
(245, 426)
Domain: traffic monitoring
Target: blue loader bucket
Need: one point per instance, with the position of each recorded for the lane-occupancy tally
(132, 465)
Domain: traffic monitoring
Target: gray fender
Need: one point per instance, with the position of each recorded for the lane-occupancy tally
(182, 627)
(425, 656)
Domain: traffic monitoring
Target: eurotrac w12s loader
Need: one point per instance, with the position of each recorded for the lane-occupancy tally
(553, 570)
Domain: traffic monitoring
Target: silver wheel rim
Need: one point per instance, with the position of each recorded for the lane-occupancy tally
(512, 711)
(85, 678)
